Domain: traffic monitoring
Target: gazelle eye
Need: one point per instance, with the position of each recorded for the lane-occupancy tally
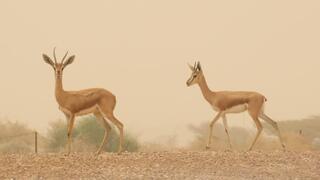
(194, 75)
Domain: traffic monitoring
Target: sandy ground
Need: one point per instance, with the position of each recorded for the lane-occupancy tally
(164, 165)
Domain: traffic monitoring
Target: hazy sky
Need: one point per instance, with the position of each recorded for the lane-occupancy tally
(138, 49)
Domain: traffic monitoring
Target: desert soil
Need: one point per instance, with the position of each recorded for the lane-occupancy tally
(163, 165)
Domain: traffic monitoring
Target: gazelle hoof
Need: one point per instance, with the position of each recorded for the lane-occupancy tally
(207, 147)
(119, 152)
(229, 149)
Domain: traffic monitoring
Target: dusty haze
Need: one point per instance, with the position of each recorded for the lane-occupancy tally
(139, 50)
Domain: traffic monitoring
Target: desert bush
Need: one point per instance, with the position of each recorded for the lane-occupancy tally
(164, 143)
(87, 136)
(57, 135)
(16, 147)
(15, 137)
(297, 135)
(316, 143)
(240, 137)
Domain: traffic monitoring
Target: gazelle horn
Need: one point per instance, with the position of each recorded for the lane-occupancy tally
(54, 55)
(64, 57)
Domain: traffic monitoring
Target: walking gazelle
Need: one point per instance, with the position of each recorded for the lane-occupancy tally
(225, 102)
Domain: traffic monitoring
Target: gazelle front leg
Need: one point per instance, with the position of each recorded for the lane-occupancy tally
(70, 128)
(225, 123)
(211, 127)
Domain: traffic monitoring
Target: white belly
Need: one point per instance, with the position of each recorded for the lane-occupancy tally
(80, 113)
(237, 109)
(87, 111)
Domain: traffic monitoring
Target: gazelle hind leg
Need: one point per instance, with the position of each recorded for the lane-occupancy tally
(119, 125)
(274, 125)
(254, 110)
(107, 128)
(259, 130)
(106, 108)
(225, 123)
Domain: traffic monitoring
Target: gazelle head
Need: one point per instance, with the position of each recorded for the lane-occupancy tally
(195, 75)
(58, 67)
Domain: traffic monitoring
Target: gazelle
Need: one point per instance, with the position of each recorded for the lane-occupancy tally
(98, 101)
(225, 102)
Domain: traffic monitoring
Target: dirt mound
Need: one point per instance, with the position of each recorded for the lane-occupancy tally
(164, 165)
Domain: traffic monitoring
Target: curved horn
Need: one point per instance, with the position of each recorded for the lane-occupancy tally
(195, 65)
(54, 55)
(64, 57)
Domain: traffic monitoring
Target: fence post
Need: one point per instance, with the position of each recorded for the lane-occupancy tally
(36, 142)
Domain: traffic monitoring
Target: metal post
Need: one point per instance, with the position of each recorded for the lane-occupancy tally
(36, 142)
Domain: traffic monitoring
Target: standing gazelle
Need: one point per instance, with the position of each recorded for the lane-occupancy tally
(98, 101)
(225, 102)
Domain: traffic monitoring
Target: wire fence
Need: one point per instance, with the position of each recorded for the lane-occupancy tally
(34, 134)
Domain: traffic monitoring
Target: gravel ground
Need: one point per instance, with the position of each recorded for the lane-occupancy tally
(163, 165)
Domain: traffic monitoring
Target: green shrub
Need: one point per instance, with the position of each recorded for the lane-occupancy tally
(57, 135)
(87, 136)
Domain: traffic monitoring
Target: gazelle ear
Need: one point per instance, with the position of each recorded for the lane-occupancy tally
(69, 61)
(47, 59)
(199, 66)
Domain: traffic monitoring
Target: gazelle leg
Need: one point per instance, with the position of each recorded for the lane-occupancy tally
(119, 125)
(107, 129)
(225, 123)
(274, 125)
(259, 130)
(210, 128)
(70, 128)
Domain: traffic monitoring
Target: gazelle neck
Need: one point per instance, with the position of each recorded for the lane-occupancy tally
(206, 92)
(59, 91)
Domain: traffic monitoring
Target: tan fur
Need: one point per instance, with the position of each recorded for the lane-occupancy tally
(225, 102)
(98, 101)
